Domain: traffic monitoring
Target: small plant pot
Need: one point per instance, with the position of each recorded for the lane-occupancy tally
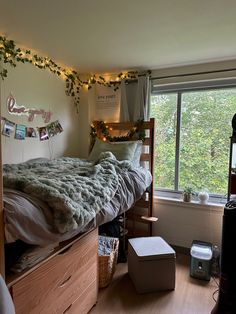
(187, 197)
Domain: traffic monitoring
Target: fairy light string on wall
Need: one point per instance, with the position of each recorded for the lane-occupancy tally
(11, 54)
(102, 131)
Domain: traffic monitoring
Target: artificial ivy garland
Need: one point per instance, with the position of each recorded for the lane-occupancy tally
(101, 130)
(11, 54)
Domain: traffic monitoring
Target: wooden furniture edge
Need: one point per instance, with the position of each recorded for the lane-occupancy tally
(12, 279)
(150, 142)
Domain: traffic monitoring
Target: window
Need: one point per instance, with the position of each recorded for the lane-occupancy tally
(192, 138)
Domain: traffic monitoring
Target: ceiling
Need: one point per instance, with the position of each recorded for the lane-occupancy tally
(112, 35)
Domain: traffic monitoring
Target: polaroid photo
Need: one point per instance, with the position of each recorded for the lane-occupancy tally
(58, 127)
(43, 134)
(51, 129)
(20, 132)
(8, 128)
(31, 132)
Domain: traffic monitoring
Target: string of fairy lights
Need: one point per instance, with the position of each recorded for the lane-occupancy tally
(11, 54)
(101, 130)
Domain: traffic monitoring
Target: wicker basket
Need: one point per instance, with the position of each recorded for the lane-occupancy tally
(107, 256)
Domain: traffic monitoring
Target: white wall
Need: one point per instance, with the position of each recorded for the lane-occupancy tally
(219, 66)
(39, 89)
(180, 223)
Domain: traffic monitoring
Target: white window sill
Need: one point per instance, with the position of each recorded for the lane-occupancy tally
(193, 204)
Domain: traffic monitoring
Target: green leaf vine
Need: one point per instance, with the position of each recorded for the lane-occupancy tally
(11, 54)
(101, 130)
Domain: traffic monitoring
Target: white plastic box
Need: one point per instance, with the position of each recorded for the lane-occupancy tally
(201, 260)
(151, 264)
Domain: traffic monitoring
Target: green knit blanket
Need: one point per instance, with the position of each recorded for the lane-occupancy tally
(75, 189)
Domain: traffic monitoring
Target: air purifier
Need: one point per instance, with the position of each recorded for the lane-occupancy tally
(201, 258)
(226, 303)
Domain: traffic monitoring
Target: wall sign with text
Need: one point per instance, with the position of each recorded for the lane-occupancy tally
(13, 108)
(107, 104)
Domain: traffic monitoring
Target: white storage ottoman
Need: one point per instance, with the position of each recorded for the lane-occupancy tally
(151, 264)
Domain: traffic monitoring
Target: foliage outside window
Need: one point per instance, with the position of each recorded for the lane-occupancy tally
(199, 158)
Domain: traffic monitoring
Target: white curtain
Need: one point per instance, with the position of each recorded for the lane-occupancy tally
(124, 110)
(134, 100)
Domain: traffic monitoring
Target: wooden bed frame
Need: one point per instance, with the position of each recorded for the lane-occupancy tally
(67, 280)
(139, 219)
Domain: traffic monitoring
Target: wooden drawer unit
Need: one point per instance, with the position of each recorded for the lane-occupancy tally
(83, 303)
(61, 283)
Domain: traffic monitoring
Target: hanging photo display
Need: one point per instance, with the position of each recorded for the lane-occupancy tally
(22, 131)
(31, 132)
(54, 128)
(43, 134)
(8, 127)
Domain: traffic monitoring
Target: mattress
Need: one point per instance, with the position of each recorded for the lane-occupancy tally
(30, 220)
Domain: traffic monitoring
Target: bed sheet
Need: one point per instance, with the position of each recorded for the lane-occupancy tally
(30, 220)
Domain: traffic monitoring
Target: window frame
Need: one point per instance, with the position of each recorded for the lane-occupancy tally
(167, 89)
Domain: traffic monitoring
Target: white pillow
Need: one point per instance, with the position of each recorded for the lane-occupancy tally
(121, 150)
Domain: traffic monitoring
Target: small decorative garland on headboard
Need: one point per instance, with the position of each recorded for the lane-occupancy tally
(101, 130)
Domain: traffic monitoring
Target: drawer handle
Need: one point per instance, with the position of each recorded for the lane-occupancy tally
(67, 309)
(65, 281)
(65, 250)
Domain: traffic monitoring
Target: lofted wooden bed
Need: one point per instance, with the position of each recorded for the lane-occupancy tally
(67, 280)
(139, 219)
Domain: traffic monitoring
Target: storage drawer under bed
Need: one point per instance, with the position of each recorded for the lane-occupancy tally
(59, 285)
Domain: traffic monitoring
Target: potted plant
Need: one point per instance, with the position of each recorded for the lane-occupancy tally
(187, 194)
